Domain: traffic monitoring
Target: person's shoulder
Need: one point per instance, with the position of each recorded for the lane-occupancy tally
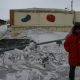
(70, 36)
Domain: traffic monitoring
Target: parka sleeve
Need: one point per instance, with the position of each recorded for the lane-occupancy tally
(67, 44)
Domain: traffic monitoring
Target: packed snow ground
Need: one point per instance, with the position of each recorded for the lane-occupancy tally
(46, 62)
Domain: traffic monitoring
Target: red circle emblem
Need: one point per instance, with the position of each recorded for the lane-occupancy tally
(50, 17)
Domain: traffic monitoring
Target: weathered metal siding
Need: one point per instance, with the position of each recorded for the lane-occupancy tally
(39, 19)
(77, 16)
(11, 17)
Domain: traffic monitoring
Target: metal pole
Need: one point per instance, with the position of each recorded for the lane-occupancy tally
(71, 5)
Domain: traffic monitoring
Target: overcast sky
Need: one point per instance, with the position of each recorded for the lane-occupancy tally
(6, 5)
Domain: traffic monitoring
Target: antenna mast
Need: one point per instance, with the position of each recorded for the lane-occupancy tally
(71, 5)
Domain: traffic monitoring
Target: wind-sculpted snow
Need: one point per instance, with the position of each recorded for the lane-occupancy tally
(46, 62)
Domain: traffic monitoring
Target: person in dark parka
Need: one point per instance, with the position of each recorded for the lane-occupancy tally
(72, 46)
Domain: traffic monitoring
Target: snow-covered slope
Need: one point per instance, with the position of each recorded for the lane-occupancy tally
(46, 62)
(42, 36)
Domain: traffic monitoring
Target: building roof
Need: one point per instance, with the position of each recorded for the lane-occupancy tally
(2, 21)
(42, 10)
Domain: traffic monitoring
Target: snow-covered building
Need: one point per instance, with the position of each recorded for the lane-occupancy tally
(53, 19)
